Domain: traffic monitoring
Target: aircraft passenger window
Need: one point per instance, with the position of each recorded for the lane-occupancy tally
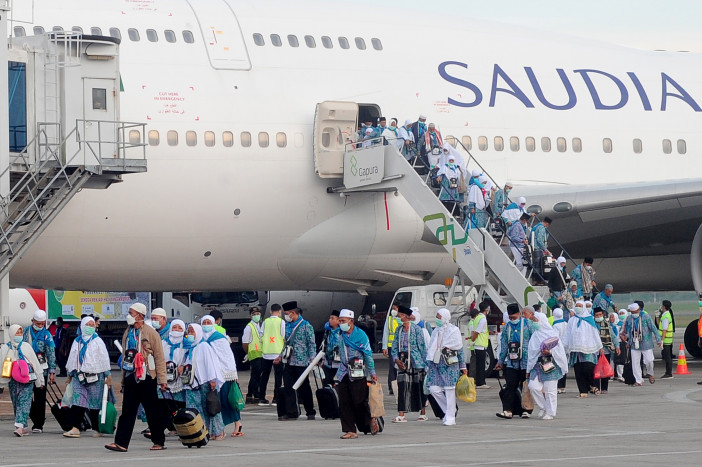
(344, 43)
(263, 139)
(57, 29)
(99, 99)
(281, 139)
(38, 30)
(450, 139)
(152, 35)
(190, 138)
(299, 140)
(172, 138)
(577, 145)
(561, 144)
(154, 138)
(530, 143)
(467, 142)
(19, 31)
(360, 43)
(545, 144)
(246, 139)
(134, 137)
(482, 143)
(514, 143)
(96, 31)
(607, 145)
(377, 45)
(169, 35)
(258, 39)
(188, 37)
(77, 29)
(133, 35)
(227, 139)
(638, 146)
(499, 143)
(682, 146)
(309, 40)
(209, 139)
(275, 40)
(327, 42)
(114, 32)
(292, 40)
(667, 146)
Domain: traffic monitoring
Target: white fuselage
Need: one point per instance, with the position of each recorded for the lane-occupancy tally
(263, 214)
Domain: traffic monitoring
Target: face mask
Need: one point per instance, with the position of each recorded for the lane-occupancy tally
(176, 334)
(599, 319)
(37, 328)
(131, 320)
(393, 313)
(622, 317)
(635, 315)
(256, 318)
(393, 128)
(156, 325)
(288, 318)
(579, 310)
(507, 190)
(18, 339)
(345, 327)
(514, 321)
(190, 339)
(208, 328)
(439, 322)
(451, 165)
(89, 331)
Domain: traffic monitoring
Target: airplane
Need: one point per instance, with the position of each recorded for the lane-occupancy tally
(602, 138)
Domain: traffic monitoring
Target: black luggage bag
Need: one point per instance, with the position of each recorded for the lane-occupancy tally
(517, 406)
(328, 402)
(63, 414)
(287, 405)
(191, 428)
(367, 429)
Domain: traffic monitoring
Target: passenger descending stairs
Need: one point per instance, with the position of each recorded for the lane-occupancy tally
(480, 259)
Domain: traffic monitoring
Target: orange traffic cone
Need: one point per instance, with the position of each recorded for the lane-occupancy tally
(682, 363)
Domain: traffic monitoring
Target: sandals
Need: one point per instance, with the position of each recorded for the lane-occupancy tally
(504, 414)
(375, 428)
(399, 419)
(115, 447)
(651, 379)
(422, 418)
(595, 391)
(157, 447)
(219, 437)
(582, 396)
(349, 436)
(238, 433)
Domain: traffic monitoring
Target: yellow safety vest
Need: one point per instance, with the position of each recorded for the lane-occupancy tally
(273, 340)
(669, 337)
(483, 339)
(392, 327)
(471, 328)
(255, 347)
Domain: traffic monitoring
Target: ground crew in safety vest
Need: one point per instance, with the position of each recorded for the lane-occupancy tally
(272, 345)
(666, 325)
(481, 341)
(391, 324)
(252, 340)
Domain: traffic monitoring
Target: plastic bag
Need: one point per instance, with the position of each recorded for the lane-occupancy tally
(375, 400)
(465, 389)
(236, 399)
(110, 419)
(603, 369)
(527, 399)
(67, 399)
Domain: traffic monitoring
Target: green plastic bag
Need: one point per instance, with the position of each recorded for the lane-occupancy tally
(465, 389)
(110, 420)
(236, 399)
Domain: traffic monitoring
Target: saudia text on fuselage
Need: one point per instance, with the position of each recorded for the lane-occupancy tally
(456, 73)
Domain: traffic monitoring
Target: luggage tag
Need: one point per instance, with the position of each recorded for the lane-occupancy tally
(32, 373)
(513, 350)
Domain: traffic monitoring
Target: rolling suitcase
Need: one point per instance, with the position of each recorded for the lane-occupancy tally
(190, 428)
(366, 429)
(287, 405)
(328, 402)
(63, 414)
(517, 406)
(628, 372)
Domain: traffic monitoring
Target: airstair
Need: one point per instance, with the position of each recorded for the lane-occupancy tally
(481, 262)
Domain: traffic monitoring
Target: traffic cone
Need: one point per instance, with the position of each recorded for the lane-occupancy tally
(682, 363)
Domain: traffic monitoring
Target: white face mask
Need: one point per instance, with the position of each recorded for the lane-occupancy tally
(393, 313)
(288, 318)
(579, 310)
(131, 320)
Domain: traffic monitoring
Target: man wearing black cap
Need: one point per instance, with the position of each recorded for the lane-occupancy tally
(514, 343)
(299, 343)
(331, 348)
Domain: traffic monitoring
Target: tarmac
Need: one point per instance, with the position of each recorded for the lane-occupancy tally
(654, 424)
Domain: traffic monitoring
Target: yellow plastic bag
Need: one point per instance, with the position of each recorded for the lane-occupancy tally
(465, 389)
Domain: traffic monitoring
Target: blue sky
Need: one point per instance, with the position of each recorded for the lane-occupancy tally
(646, 24)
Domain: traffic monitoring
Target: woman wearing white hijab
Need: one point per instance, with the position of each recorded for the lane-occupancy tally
(560, 324)
(582, 342)
(445, 362)
(21, 391)
(546, 365)
(88, 369)
(220, 344)
(202, 363)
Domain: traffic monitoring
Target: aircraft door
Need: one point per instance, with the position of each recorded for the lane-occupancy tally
(222, 35)
(99, 129)
(335, 125)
